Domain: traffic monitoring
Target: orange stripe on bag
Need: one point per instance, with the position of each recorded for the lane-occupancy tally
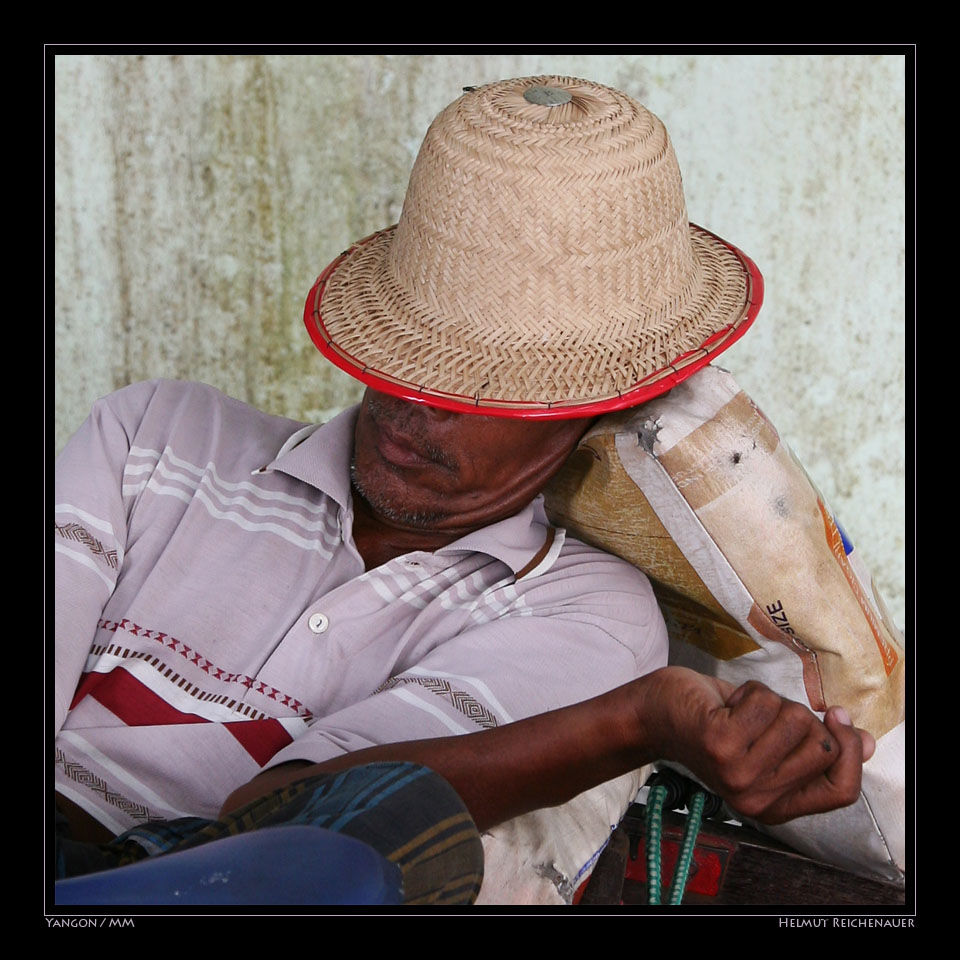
(835, 542)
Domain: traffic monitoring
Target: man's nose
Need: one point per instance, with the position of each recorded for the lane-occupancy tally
(415, 407)
(435, 414)
(400, 408)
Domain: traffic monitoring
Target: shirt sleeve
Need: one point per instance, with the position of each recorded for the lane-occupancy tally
(90, 530)
(563, 652)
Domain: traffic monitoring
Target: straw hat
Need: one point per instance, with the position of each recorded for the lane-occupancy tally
(543, 265)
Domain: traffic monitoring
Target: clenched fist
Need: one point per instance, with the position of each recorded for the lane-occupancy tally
(769, 758)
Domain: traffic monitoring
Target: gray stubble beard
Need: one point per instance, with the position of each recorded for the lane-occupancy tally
(386, 508)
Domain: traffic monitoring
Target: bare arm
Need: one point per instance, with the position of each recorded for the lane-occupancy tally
(770, 758)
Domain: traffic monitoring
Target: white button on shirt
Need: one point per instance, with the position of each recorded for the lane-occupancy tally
(318, 623)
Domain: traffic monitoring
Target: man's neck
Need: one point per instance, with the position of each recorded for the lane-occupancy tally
(379, 541)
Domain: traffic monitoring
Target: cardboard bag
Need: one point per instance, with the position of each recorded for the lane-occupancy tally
(756, 579)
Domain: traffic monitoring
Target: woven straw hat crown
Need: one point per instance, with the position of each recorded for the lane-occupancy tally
(543, 259)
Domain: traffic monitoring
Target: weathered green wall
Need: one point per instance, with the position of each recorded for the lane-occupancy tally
(198, 197)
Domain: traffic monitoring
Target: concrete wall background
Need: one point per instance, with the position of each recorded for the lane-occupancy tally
(198, 197)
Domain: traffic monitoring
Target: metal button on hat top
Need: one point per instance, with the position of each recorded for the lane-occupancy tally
(318, 622)
(547, 96)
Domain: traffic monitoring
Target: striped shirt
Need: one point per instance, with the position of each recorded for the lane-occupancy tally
(213, 615)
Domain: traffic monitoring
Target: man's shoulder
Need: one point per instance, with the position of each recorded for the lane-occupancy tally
(591, 570)
(586, 578)
(180, 396)
(156, 412)
(592, 586)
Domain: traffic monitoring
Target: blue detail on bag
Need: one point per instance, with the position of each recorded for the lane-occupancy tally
(847, 545)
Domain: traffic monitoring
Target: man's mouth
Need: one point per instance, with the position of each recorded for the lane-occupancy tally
(397, 450)
(397, 447)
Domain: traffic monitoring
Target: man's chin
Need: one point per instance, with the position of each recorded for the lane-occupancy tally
(392, 508)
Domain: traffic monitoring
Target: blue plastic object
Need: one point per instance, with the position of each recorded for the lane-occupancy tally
(286, 866)
(847, 545)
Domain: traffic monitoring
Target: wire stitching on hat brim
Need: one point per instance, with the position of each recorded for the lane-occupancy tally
(674, 370)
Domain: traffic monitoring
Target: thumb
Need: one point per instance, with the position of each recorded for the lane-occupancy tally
(839, 716)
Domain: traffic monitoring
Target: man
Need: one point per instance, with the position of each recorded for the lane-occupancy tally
(246, 604)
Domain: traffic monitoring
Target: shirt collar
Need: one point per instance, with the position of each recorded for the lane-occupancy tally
(525, 542)
(320, 455)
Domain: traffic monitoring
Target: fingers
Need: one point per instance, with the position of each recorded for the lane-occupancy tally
(794, 748)
(838, 786)
(734, 698)
(780, 761)
(755, 704)
(770, 723)
(724, 688)
(758, 712)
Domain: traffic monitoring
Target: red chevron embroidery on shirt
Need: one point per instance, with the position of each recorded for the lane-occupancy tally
(165, 640)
